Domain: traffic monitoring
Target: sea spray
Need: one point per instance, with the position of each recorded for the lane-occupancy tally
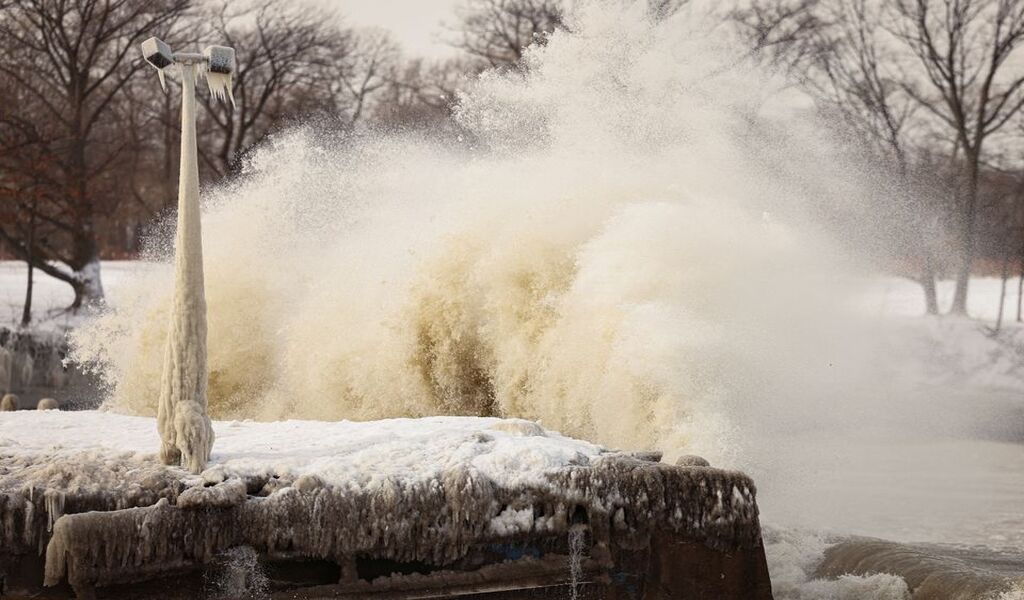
(240, 576)
(594, 255)
(577, 544)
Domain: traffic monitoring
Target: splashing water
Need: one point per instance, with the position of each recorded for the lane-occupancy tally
(241, 576)
(595, 255)
(577, 544)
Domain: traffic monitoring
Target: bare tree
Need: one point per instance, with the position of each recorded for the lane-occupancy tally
(968, 83)
(365, 63)
(661, 9)
(422, 94)
(282, 49)
(1005, 195)
(70, 63)
(785, 30)
(498, 31)
(941, 66)
(842, 56)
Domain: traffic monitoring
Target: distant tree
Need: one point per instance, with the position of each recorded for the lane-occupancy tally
(841, 55)
(367, 62)
(784, 30)
(945, 67)
(498, 31)
(661, 9)
(68, 64)
(422, 93)
(23, 187)
(970, 81)
(282, 50)
(1003, 193)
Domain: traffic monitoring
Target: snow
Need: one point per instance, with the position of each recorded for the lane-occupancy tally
(901, 297)
(51, 296)
(344, 454)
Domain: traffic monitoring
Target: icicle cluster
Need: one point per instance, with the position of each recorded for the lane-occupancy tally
(147, 524)
(220, 86)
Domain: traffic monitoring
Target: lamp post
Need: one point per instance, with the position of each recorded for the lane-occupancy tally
(185, 432)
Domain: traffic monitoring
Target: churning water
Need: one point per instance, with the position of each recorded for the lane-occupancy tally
(628, 243)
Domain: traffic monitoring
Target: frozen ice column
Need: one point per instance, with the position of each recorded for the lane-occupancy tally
(185, 432)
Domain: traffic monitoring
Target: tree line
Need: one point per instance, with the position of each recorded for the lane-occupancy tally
(931, 90)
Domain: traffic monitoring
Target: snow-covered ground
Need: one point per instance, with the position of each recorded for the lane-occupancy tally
(344, 454)
(50, 296)
(900, 297)
(885, 296)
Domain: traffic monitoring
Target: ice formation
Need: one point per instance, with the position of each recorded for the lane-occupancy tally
(104, 510)
(9, 403)
(220, 86)
(26, 368)
(56, 371)
(185, 431)
(6, 369)
(47, 404)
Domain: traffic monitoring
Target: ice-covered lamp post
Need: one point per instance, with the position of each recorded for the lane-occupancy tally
(185, 432)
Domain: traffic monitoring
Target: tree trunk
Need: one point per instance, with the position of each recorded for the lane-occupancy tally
(966, 222)
(931, 297)
(88, 284)
(1020, 285)
(1002, 290)
(26, 314)
(85, 249)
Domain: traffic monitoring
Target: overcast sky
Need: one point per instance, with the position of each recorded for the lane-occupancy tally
(416, 24)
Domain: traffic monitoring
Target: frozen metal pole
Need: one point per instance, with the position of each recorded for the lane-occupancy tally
(186, 435)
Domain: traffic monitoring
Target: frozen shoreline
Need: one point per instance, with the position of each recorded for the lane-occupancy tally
(436, 491)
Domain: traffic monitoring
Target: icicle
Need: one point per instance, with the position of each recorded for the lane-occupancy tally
(163, 80)
(54, 501)
(220, 86)
(576, 543)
